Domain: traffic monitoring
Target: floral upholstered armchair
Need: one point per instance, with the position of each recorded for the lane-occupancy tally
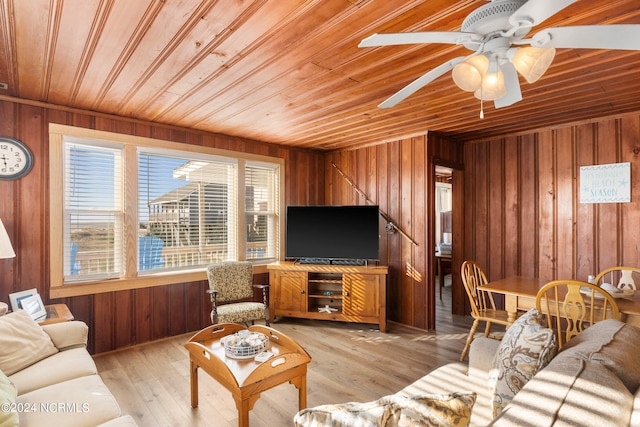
(231, 282)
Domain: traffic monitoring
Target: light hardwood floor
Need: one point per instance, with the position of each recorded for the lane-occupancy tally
(351, 362)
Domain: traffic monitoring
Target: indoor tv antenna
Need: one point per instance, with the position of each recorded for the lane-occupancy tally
(391, 227)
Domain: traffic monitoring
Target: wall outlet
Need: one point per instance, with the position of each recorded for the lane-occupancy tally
(4, 86)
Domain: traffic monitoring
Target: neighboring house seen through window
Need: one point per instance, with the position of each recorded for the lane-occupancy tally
(190, 206)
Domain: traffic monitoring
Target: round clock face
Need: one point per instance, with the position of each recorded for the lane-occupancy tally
(16, 159)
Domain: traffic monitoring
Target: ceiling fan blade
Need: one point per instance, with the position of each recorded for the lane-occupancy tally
(511, 82)
(419, 83)
(623, 37)
(533, 12)
(451, 37)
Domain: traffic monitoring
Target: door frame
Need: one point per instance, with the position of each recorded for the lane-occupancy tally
(458, 297)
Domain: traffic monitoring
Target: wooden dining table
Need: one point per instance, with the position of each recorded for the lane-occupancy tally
(520, 295)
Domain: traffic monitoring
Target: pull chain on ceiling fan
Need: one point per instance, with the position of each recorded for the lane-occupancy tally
(495, 32)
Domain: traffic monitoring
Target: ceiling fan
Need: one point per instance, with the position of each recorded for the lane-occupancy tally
(495, 32)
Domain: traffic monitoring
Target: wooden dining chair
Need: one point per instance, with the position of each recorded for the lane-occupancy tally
(620, 277)
(573, 305)
(483, 308)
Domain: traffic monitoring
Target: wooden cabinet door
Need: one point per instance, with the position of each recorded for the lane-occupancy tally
(290, 291)
(361, 295)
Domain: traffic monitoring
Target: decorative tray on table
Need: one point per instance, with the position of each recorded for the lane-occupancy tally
(244, 344)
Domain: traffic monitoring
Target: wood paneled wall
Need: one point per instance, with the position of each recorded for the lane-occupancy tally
(519, 198)
(400, 178)
(516, 211)
(523, 215)
(118, 319)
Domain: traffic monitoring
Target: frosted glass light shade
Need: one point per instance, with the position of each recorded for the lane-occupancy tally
(532, 62)
(6, 250)
(492, 87)
(468, 74)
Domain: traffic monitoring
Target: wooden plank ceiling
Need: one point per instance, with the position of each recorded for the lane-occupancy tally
(290, 72)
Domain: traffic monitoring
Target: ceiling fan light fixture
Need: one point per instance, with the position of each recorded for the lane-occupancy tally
(492, 87)
(533, 62)
(468, 74)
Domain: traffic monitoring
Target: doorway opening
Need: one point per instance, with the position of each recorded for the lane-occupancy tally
(443, 236)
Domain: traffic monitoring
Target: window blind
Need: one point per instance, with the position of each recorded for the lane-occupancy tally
(93, 212)
(187, 208)
(261, 215)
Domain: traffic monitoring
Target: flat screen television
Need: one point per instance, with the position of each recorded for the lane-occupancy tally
(332, 234)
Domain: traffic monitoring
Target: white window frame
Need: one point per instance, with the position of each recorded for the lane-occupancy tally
(130, 146)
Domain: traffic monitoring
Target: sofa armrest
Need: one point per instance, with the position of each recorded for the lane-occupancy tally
(481, 356)
(66, 335)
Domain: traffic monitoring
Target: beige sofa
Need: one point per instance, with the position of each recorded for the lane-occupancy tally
(48, 378)
(594, 380)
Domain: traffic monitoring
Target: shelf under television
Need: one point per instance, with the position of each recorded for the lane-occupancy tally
(321, 296)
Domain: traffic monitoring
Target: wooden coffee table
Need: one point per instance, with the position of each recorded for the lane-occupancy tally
(246, 379)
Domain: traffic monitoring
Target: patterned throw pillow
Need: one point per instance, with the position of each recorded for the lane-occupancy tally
(526, 348)
(8, 394)
(393, 411)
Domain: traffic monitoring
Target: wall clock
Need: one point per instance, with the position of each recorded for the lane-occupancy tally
(16, 159)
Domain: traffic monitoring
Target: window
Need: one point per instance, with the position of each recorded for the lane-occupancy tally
(93, 214)
(187, 210)
(130, 212)
(261, 213)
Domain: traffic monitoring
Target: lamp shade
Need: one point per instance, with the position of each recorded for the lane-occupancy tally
(532, 62)
(468, 74)
(492, 87)
(6, 250)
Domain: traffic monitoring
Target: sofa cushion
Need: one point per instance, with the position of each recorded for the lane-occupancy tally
(23, 342)
(482, 353)
(526, 348)
(81, 402)
(635, 415)
(597, 395)
(453, 378)
(579, 385)
(62, 366)
(613, 344)
(570, 392)
(8, 393)
(426, 410)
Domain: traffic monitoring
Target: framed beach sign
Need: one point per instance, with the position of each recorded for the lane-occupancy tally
(610, 183)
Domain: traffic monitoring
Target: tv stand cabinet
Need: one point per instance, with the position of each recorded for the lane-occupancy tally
(329, 292)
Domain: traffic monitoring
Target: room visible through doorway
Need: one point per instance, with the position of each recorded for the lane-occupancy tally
(443, 233)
